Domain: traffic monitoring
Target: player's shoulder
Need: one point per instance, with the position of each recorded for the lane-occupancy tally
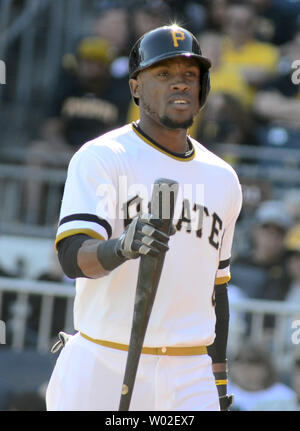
(111, 139)
(109, 145)
(213, 159)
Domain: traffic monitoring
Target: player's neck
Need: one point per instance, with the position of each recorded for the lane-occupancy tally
(174, 140)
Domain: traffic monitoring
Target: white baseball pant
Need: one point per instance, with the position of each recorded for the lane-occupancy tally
(89, 377)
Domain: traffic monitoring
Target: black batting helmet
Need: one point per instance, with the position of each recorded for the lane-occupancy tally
(169, 42)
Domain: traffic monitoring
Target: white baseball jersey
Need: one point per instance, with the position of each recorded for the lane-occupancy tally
(109, 181)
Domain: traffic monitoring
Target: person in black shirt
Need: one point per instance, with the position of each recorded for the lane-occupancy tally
(87, 102)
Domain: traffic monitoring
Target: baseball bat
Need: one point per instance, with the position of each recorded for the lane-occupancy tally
(163, 201)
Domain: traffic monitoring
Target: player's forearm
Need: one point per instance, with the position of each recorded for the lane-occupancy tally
(218, 349)
(97, 258)
(82, 256)
(87, 259)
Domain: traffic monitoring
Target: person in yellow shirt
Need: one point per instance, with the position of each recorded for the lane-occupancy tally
(225, 77)
(226, 117)
(256, 60)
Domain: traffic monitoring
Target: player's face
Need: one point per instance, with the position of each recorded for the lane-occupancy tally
(169, 92)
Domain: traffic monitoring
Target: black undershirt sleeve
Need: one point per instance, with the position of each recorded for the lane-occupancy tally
(68, 250)
(217, 350)
(67, 254)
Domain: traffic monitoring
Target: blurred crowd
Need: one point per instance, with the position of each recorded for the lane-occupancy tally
(254, 101)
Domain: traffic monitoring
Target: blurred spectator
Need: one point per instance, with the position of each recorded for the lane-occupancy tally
(194, 15)
(237, 322)
(187, 13)
(224, 120)
(216, 11)
(262, 272)
(295, 382)
(277, 104)
(256, 60)
(291, 200)
(87, 102)
(224, 77)
(276, 21)
(148, 15)
(112, 24)
(290, 50)
(292, 244)
(255, 383)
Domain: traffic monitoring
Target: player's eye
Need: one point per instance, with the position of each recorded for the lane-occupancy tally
(191, 74)
(163, 73)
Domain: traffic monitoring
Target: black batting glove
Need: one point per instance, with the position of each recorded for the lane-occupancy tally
(143, 237)
(226, 401)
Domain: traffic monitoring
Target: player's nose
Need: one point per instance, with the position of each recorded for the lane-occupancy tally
(179, 85)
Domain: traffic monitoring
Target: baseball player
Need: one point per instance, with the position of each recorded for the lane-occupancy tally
(105, 226)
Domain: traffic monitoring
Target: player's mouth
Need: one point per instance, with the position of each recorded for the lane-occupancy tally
(179, 103)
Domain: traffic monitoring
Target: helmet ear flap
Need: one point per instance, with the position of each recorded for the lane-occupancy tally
(205, 88)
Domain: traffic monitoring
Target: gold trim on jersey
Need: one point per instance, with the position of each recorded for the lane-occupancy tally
(182, 158)
(221, 382)
(71, 232)
(165, 351)
(222, 280)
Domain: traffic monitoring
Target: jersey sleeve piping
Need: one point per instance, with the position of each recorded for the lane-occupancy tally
(222, 280)
(71, 232)
(89, 218)
(224, 263)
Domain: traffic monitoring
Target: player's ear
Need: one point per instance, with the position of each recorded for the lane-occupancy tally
(134, 85)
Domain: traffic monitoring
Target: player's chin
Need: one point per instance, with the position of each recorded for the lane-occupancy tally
(177, 123)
